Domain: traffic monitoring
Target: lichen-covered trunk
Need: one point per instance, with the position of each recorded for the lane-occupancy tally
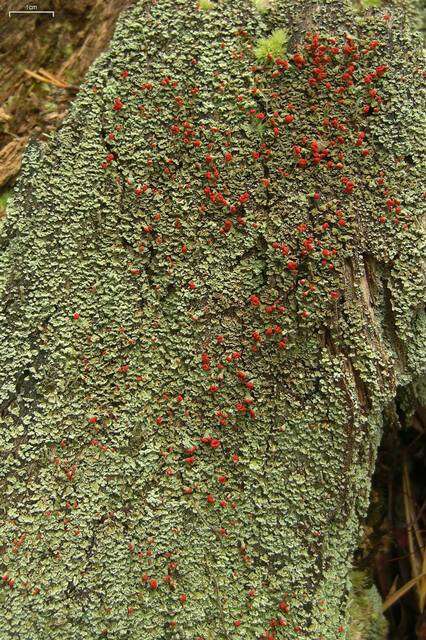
(211, 280)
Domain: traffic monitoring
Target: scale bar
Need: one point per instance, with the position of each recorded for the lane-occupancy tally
(52, 13)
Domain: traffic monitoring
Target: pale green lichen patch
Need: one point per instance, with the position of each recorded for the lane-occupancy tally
(210, 290)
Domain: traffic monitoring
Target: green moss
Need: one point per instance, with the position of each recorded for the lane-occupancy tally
(367, 4)
(49, 106)
(263, 6)
(206, 5)
(273, 46)
(3, 200)
(366, 620)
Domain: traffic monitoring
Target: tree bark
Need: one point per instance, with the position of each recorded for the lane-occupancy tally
(200, 333)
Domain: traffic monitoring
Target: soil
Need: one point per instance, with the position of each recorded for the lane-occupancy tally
(58, 50)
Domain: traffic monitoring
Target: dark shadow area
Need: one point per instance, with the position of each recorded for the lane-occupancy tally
(394, 547)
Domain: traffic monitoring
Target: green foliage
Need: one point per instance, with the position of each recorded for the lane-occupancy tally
(366, 620)
(367, 4)
(263, 6)
(3, 200)
(273, 46)
(206, 5)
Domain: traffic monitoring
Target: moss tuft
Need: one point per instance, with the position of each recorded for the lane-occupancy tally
(263, 6)
(366, 620)
(3, 202)
(367, 4)
(206, 5)
(272, 46)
